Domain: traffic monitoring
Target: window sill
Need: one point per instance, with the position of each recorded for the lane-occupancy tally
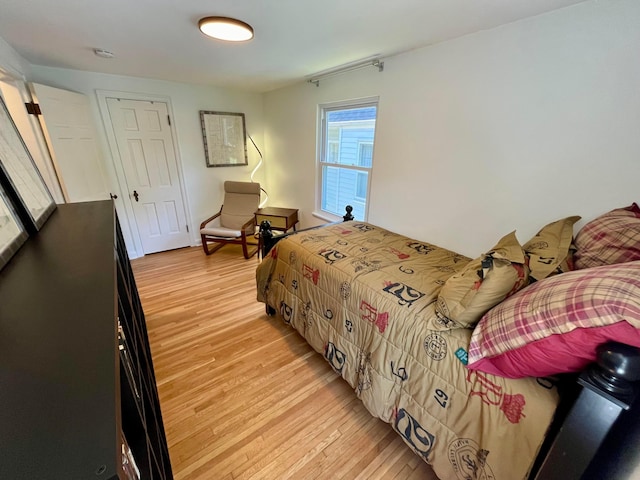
(327, 217)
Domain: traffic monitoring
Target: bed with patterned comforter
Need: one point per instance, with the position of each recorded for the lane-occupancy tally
(364, 298)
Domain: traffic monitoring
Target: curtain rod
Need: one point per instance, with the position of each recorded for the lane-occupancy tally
(376, 62)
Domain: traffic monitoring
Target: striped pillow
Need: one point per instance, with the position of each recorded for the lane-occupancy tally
(555, 325)
(611, 238)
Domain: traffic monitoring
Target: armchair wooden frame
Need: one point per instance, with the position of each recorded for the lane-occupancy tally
(246, 231)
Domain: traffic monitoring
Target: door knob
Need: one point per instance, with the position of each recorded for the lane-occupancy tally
(135, 195)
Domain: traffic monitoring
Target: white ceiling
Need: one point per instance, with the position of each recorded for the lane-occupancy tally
(293, 38)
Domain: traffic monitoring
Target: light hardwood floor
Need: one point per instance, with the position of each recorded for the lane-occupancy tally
(242, 394)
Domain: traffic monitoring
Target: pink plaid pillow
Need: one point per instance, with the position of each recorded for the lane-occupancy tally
(611, 238)
(554, 325)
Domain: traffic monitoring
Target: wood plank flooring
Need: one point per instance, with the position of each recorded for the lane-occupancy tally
(242, 394)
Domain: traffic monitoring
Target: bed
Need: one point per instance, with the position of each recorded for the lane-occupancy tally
(402, 321)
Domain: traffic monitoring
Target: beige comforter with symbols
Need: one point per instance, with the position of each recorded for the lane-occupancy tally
(364, 298)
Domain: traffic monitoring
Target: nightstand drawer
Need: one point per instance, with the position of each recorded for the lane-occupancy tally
(276, 222)
(280, 218)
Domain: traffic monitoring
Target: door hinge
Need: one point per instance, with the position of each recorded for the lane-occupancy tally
(33, 108)
(169, 120)
(187, 228)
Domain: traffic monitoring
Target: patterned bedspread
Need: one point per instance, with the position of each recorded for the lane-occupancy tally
(364, 298)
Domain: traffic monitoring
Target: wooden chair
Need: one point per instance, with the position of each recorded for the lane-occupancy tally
(235, 222)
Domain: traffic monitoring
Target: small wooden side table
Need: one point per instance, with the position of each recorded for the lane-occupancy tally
(281, 219)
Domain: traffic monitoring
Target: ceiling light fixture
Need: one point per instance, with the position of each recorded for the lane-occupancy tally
(224, 28)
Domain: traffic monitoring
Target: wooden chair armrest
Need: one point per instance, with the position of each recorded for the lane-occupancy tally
(203, 224)
(249, 226)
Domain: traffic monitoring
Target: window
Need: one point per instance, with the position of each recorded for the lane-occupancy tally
(347, 132)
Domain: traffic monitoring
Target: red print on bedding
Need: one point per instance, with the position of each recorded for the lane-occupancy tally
(274, 253)
(491, 394)
(512, 406)
(311, 274)
(370, 314)
(399, 254)
(522, 278)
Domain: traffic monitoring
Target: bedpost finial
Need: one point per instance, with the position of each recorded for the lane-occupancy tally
(617, 368)
(348, 215)
(265, 229)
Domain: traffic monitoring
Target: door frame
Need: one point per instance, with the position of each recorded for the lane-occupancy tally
(116, 160)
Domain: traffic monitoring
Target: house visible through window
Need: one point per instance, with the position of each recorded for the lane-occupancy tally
(365, 154)
(333, 152)
(361, 186)
(346, 156)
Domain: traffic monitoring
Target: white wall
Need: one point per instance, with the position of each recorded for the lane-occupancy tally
(204, 188)
(509, 128)
(12, 62)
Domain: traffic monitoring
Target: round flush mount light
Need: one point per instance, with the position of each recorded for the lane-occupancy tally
(224, 28)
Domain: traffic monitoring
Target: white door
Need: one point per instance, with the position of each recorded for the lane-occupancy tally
(146, 149)
(71, 136)
(16, 95)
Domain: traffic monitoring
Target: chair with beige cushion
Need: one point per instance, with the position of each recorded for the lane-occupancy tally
(235, 222)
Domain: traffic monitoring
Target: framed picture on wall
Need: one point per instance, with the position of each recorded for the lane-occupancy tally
(20, 177)
(225, 142)
(12, 233)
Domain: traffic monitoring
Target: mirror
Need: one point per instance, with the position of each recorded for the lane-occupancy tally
(20, 178)
(225, 142)
(12, 234)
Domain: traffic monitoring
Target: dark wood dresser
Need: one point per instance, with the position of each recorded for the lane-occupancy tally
(78, 397)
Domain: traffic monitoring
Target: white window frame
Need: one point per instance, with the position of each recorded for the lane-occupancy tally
(321, 154)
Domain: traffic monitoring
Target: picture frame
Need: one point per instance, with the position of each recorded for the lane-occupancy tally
(20, 178)
(12, 232)
(225, 140)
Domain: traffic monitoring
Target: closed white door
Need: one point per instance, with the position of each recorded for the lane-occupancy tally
(70, 133)
(146, 149)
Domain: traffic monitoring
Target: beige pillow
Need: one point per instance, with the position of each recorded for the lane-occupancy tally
(484, 283)
(550, 250)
